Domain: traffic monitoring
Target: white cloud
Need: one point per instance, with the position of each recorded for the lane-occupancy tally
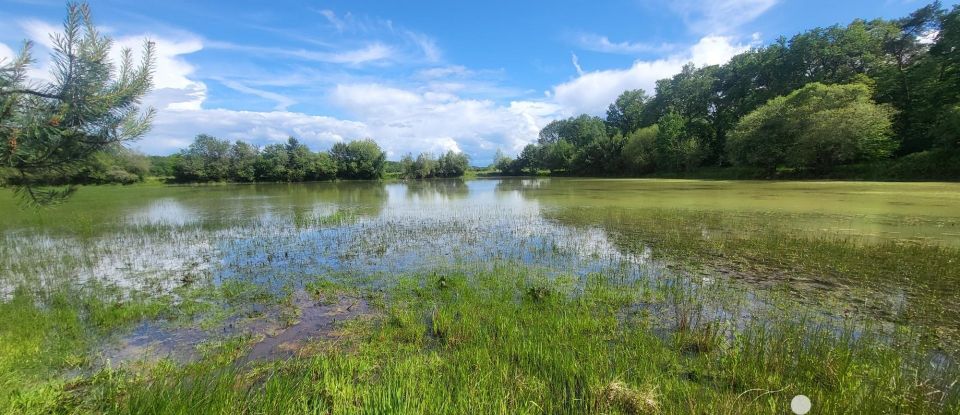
(414, 121)
(39, 32)
(593, 91)
(283, 102)
(598, 43)
(444, 72)
(175, 129)
(335, 21)
(576, 63)
(428, 46)
(173, 88)
(372, 52)
(717, 17)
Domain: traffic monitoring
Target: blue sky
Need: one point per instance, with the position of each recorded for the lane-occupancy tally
(416, 76)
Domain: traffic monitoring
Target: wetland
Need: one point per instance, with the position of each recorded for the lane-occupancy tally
(539, 295)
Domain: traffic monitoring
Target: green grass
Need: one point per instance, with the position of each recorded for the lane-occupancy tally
(512, 341)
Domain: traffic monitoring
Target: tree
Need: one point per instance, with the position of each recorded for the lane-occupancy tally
(676, 149)
(322, 167)
(361, 159)
(89, 107)
(271, 165)
(640, 152)
(242, 162)
(406, 166)
(207, 159)
(452, 164)
(601, 156)
(557, 156)
(116, 166)
(626, 113)
(817, 126)
(423, 167)
(299, 160)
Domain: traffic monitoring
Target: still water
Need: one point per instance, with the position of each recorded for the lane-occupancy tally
(154, 234)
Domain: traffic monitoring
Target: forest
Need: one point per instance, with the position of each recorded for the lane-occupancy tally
(873, 99)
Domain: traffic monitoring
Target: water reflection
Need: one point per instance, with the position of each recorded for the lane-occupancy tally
(165, 212)
(437, 189)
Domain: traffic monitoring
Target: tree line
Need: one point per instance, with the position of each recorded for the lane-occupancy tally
(209, 159)
(449, 164)
(825, 98)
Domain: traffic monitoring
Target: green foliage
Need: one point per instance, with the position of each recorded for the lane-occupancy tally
(817, 126)
(626, 113)
(212, 159)
(207, 159)
(120, 166)
(242, 162)
(452, 164)
(161, 166)
(675, 148)
(578, 131)
(947, 130)
(362, 159)
(323, 167)
(271, 165)
(90, 106)
(557, 156)
(717, 115)
(423, 167)
(640, 151)
(601, 156)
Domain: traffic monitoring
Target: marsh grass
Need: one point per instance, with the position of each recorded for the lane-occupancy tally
(486, 343)
(904, 282)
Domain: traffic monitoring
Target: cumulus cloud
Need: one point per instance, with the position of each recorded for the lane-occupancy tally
(411, 121)
(592, 92)
(173, 86)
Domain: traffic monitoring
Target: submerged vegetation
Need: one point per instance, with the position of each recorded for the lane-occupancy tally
(510, 341)
(507, 297)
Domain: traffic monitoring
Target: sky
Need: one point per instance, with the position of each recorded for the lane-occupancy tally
(416, 76)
